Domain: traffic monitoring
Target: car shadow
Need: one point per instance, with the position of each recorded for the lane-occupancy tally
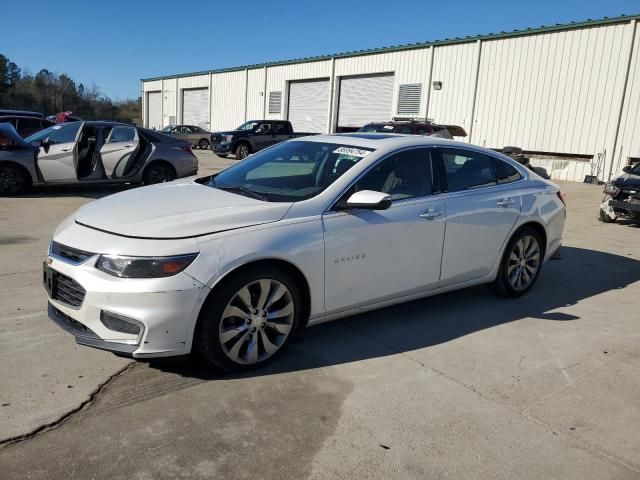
(84, 191)
(575, 274)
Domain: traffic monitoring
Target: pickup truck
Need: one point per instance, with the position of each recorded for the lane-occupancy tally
(253, 136)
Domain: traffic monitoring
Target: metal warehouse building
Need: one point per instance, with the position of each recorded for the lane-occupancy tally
(569, 94)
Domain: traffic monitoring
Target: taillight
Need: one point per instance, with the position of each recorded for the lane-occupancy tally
(563, 198)
(188, 150)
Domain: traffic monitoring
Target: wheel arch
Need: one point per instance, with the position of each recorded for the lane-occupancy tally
(274, 262)
(156, 161)
(22, 168)
(540, 230)
(243, 141)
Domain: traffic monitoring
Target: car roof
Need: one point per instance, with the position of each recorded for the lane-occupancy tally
(29, 117)
(379, 141)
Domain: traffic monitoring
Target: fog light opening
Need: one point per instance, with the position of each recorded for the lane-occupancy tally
(120, 323)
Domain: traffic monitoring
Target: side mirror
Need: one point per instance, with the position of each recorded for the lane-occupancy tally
(368, 199)
(626, 168)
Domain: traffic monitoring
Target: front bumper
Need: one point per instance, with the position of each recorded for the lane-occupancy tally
(165, 308)
(224, 148)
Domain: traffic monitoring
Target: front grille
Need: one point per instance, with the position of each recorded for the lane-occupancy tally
(216, 138)
(67, 290)
(73, 255)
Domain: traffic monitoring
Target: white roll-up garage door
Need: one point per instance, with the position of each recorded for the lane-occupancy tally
(364, 99)
(154, 110)
(195, 107)
(308, 105)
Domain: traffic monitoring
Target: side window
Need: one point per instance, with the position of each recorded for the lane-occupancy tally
(64, 133)
(280, 129)
(122, 134)
(504, 172)
(264, 128)
(466, 170)
(403, 175)
(28, 126)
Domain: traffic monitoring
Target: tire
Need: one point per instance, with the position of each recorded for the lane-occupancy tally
(203, 144)
(242, 151)
(13, 180)
(604, 218)
(158, 172)
(227, 329)
(520, 265)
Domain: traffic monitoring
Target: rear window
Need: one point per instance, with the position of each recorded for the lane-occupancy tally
(505, 173)
(466, 170)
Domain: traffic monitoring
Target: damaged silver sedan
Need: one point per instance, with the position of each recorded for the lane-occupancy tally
(91, 152)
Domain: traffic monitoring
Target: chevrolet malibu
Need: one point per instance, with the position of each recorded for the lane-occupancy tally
(235, 265)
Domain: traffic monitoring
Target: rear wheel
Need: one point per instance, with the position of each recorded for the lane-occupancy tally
(520, 264)
(242, 151)
(203, 144)
(13, 180)
(158, 172)
(249, 320)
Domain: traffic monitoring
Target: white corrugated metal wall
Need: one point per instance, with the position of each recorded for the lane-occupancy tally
(557, 91)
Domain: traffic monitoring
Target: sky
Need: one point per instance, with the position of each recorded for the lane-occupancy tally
(115, 43)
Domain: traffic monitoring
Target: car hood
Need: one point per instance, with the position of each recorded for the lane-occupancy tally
(179, 209)
(627, 180)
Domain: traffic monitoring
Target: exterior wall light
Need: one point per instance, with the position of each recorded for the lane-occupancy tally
(437, 85)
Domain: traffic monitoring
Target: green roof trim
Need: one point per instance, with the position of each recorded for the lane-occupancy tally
(414, 46)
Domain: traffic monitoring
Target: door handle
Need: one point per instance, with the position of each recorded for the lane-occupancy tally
(127, 146)
(65, 149)
(431, 214)
(505, 202)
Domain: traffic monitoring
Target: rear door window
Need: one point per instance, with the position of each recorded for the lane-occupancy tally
(466, 170)
(122, 134)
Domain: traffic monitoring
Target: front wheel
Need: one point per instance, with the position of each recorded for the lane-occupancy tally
(13, 180)
(605, 218)
(249, 320)
(158, 172)
(242, 151)
(203, 144)
(520, 265)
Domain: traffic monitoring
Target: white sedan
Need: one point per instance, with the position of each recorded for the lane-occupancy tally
(236, 264)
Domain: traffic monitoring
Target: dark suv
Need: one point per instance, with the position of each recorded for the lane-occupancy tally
(415, 127)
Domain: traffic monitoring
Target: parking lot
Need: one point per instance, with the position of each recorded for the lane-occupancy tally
(462, 385)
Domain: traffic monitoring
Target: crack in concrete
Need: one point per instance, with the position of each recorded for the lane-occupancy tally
(47, 427)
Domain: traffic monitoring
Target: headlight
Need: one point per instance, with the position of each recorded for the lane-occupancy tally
(144, 267)
(611, 189)
(227, 138)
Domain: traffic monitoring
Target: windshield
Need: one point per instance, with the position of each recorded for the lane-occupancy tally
(248, 125)
(636, 169)
(42, 134)
(168, 128)
(289, 171)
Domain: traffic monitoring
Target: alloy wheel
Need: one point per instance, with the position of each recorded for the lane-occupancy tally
(524, 262)
(11, 180)
(257, 321)
(243, 152)
(159, 174)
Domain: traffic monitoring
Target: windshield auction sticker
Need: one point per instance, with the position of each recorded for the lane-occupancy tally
(355, 152)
